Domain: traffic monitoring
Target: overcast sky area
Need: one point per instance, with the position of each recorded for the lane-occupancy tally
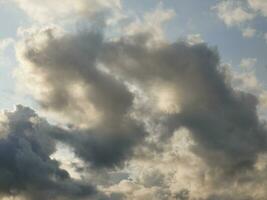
(133, 100)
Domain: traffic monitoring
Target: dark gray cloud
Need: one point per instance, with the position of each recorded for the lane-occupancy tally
(72, 59)
(223, 122)
(184, 194)
(104, 148)
(182, 84)
(26, 167)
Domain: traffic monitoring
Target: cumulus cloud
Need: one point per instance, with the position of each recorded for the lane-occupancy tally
(242, 13)
(248, 63)
(146, 118)
(88, 97)
(249, 32)
(130, 88)
(196, 69)
(193, 39)
(259, 5)
(152, 22)
(26, 167)
(246, 79)
(232, 12)
(50, 10)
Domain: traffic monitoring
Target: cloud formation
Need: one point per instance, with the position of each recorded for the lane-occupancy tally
(148, 118)
(240, 14)
(88, 97)
(232, 12)
(181, 85)
(50, 11)
(204, 97)
(26, 166)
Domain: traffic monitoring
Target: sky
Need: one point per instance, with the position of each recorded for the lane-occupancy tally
(133, 100)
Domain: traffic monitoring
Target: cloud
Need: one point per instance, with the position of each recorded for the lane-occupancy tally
(259, 5)
(249, 32)
(148, 119)
(247, 81)
(152, 22)
(193, 39)
(240, 13)
(95, 104)
(248, 63)
(216, 125)
(232, 13)
(50, 10)
(26, 167)
(180, 85)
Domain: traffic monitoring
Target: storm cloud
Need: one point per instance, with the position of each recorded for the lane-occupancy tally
(26, 166)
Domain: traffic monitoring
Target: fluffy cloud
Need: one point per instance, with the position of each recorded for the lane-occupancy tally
(239, 13)
(248, 63)
(152, 22)
(232, 12)
(249, 32)
(88, 97)
(26, 167)
(193, 39)
(195, 69)
(259, 5)
(145, 118)
(50, 10)
(128, 85)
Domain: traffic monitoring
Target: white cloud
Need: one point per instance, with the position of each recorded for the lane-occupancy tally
(193, 39)
(239, 13)
(249, 32)
(232, 13)
(51, 10)
(152, 22)
(247, 82)
(248, 63)
(259, 5)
